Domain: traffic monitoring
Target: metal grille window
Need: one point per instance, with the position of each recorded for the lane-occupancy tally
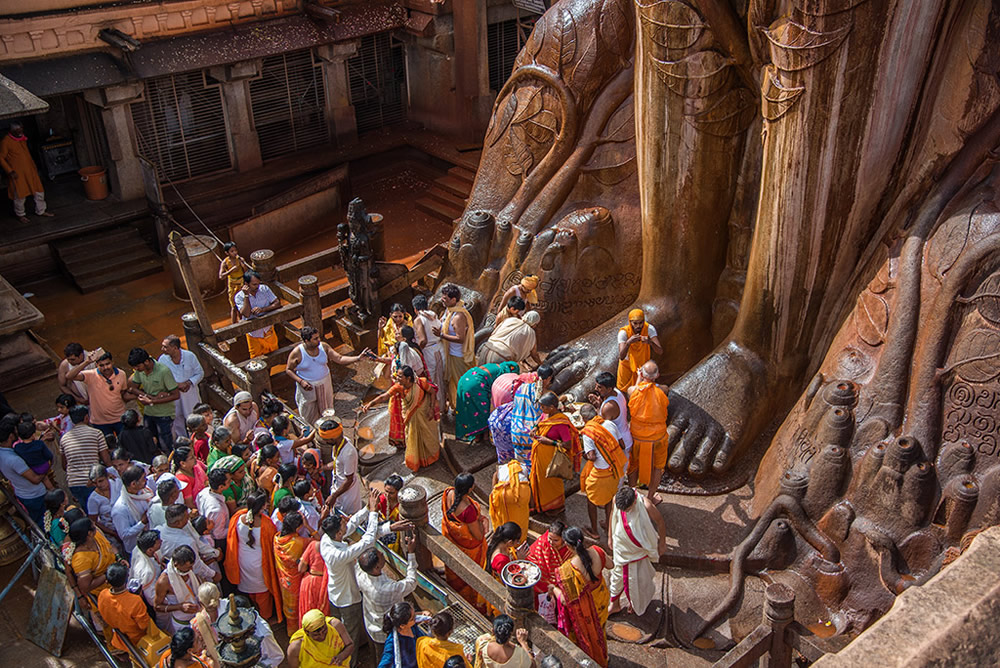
(181, 126)
(288, 104)
(504, 41)
(377, 77)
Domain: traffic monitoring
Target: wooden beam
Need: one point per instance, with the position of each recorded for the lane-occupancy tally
(283, 314)
(323, 13)
(410, 277)
(286, 293)
(279, 356)
(748, 651)
(310, 264)
(191, 284)
(334, 296)
(225, 367)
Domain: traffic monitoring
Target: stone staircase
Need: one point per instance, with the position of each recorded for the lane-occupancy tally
(446, 198)
(107, 257)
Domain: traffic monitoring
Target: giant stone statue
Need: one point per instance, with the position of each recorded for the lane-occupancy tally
(802, 195)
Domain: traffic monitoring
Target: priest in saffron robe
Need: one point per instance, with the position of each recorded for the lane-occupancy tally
(554, 431)
(606, 465)
(648, 404)
(637, 539)
(637, 342)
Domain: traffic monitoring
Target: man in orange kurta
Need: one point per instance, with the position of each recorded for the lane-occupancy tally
(637, 342)
(22, 175)
(122, 610)
(606, 465)
(647, 404)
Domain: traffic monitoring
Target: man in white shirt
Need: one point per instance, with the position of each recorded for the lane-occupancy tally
(212, 505)
(168, 491)
(178, 531)
(379, 592)
(187, 371)
(145, 570)
(345, 492)
(252, 301)
(128, 514)
(612, 404)
(606, 467)
(342, 584)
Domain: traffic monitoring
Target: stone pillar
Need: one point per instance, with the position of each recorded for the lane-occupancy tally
(234, 78)
(125, 172)
(338, 108)
(472, 76)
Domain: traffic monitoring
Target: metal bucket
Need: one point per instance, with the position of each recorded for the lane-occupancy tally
(201, 249)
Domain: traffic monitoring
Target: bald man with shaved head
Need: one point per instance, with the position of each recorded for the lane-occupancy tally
(647, 404)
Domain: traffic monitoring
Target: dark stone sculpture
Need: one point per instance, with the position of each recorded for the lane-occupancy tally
(809, 208)
(358, 256)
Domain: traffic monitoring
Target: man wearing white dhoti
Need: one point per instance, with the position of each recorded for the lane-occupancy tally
(637, 536)
(187, 371)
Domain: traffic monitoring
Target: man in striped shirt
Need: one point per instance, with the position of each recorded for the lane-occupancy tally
(82, 447)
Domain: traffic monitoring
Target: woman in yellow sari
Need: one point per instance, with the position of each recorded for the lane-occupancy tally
(420, 418)
(434, 650)
(91, 556)
(466, 527)
(553, 431)
(322, 642)
(388, 510)
(583, 596)
(288, 549)
(511, 496)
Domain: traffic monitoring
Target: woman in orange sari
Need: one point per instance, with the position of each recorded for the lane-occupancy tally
(553, 431)
(583, 596)
(466, 527)
(420, 417)
(288, 549)
(313, 594)
(434, 650)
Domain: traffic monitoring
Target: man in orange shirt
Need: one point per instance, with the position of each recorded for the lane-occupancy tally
(22, 175)
(647, 404)
(122, 610)
(637, 342)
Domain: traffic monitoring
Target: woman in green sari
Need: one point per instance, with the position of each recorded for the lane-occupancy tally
(474, 400)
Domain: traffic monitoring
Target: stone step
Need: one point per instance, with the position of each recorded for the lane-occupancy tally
(83, 269)
(444, 212)
(87, 244)
(122, 274)
(463, 174)
(454, 185)
(446, 197)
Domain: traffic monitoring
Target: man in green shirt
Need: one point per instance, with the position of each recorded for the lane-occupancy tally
(157, 392)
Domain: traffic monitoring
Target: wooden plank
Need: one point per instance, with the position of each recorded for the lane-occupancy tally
(325, 13)
(310, 264)
(285, 292)
(279, 356)
(50, 611)
(285, 313)
(334, 296)
(223, 366)
(751, 648)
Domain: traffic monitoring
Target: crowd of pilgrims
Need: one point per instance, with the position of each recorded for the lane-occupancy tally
(165, 518)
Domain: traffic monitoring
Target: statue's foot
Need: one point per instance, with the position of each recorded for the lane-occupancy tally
(716, 409)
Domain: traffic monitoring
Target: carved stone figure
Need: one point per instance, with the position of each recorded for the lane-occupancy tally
(358, 258)
(817, 243)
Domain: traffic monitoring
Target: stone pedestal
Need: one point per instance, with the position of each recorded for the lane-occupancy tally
(22, 359)
(339, 111)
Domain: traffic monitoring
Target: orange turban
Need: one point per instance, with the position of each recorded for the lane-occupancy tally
(636, 314)
(528, 284)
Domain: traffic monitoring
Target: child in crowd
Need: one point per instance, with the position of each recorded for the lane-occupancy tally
(197, 428)
(232, 269)
(61, 421)
(136, 438)
(206, 412)
(33, 450)
(288, 448)
(203, 527)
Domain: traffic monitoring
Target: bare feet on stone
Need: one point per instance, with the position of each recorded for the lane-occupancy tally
(716, 409)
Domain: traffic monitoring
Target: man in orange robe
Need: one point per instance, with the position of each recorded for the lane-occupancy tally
(22, 175)
(606, 465)
(553, 431)
(648, 403)
(637, 341)
(122, 610)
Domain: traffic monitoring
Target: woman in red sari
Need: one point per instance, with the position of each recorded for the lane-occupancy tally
(466, 527)
(313, 594)
(583, 597)
(548, 553)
